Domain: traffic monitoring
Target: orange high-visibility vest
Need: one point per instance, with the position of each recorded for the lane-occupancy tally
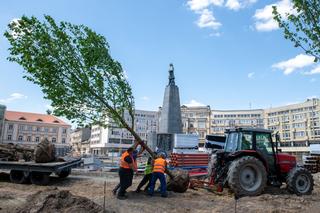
(159, 165)
(123, 163)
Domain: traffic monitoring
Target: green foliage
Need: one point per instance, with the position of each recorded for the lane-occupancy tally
(303, 26)
(73, 67)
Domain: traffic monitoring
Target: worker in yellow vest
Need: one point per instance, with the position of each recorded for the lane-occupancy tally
(159, 167)
(147, 176)
(126, 170)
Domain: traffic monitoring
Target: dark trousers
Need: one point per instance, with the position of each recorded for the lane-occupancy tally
(145, 179)
(162, 178)
(126, 176)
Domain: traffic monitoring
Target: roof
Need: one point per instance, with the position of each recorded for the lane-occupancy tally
(33, 117)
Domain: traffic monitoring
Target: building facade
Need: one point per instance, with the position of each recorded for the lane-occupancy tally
(79, 140)
(226, 119)
(30, 128)
(196, 120)
(298, 124)
(114, 140)
(2, 112)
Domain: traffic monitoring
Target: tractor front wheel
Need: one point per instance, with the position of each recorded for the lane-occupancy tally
(300, 181)
(247, 176)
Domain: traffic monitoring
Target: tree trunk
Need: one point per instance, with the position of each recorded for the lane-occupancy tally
(179, 179)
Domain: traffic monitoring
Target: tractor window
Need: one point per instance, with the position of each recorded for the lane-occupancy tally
(263, 143)
(232, 142)
(246, 141)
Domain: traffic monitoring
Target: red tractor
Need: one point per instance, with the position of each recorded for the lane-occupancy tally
(250, 161)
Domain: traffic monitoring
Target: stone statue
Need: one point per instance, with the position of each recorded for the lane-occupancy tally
(171, 75)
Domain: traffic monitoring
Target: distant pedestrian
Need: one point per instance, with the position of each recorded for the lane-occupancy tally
(159, 167)
(126, 171)
(147, 176)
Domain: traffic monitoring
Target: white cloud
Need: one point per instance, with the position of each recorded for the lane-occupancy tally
(193, 103)
(13, 97)
(197, 5)
(314, 71)
(312, 80)
(298, 62)
(239, 4)
(145, 98)
(251, 75)
(264, 17)
(207, 20)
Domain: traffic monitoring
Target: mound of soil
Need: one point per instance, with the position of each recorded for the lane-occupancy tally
(58, 201)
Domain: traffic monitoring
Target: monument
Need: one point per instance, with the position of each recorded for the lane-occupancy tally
(170, 118)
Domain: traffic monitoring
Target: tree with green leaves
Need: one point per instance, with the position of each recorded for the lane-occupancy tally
(73, 66)
(302, 26)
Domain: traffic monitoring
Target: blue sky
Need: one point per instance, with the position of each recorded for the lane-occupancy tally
(227, 53)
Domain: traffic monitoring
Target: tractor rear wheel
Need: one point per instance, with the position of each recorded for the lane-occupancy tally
(247, 176)
(300, 181)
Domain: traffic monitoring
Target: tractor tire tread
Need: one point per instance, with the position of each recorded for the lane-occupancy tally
(233, 176)
(291, 179)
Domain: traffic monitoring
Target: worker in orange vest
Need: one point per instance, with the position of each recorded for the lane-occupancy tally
(159, 167)
(135, 164)
(126, 170)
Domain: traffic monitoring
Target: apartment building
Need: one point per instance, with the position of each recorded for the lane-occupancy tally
(30, 128)
(298, 124)
(79, 140)
(113, 139)
(226, 119)
(196, 120)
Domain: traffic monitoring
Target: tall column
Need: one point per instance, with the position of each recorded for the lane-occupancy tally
(170, 119)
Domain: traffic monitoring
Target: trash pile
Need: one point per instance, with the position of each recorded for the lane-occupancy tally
(59, 201)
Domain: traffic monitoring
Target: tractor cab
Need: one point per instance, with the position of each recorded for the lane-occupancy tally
(258, 143)
(250, 160)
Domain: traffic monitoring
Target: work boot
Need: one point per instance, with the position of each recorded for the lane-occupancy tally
(114, 192)
(122, 197)
(138, 190)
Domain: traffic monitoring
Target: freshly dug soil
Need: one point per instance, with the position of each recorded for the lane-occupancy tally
(59, 201)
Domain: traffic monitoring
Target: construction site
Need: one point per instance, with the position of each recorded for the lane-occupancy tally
(117, 159)
(244, 170)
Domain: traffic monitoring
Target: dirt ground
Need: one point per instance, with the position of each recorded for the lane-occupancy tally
(14, 196)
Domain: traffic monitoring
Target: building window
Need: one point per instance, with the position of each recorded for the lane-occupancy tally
(54, 130)
(21, 127)
(64, 131)
(10, 127)
(29, 138)
(20, 138)
(46, 129)
(54, 140)
(30, 128)
(63, 140)
(38, 129)
(9, 137)
(37, 139)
